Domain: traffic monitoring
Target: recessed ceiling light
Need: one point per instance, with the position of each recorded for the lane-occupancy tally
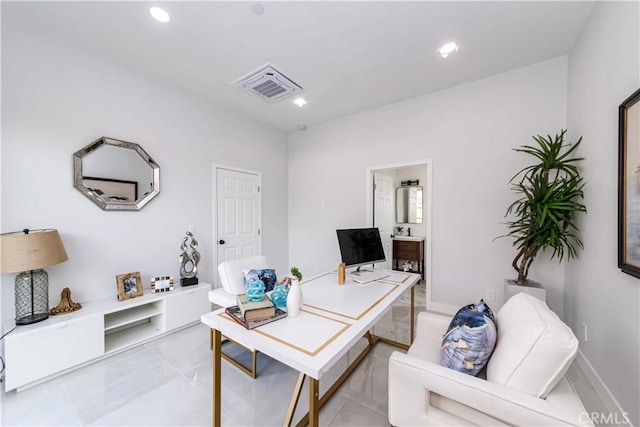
(159, 14)
(300, 102)
(301, 128)
(448, 48)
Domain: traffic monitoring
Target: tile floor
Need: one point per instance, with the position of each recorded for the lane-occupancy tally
(167, 382)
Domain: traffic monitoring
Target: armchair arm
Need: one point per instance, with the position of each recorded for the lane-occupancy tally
(432, 324)
(411, 381)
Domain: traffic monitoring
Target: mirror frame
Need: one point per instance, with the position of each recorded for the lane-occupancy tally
(418, 188)
(114, 206)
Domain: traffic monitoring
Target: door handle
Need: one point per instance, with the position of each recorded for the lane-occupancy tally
(221, 242)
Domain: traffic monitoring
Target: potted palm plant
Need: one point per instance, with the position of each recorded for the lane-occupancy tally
(549, 194)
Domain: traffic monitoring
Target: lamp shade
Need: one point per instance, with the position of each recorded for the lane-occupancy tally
(30, 250)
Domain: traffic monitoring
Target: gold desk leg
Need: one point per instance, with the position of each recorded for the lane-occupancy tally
(413, 314)
(294, 400)
(216, 339)
(306, 419)
(314, 407)
(253, 372)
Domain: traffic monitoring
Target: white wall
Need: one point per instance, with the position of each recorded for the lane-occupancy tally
(469, 132)
(56, 99)
(604, 69)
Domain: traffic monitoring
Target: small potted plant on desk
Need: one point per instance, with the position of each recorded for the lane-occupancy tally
(294, 297)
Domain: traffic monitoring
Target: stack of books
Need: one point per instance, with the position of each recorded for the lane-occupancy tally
(252, 314)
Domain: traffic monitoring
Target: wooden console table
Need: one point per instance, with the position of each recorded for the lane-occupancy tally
(409, 250)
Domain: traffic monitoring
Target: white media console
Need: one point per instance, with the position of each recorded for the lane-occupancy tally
(101, 328)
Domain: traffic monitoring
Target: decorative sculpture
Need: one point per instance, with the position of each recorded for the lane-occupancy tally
(189, 261)
(66, 303)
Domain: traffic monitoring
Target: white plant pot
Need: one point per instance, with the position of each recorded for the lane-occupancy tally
(294, 299)
(532, 288)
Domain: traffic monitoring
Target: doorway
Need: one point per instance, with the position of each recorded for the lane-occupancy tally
(237, 211)
(381, 209)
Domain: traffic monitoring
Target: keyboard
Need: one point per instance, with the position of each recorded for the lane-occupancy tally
(367, 276)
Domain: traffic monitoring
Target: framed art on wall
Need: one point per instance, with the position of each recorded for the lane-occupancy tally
(629, 185)
(129, 285)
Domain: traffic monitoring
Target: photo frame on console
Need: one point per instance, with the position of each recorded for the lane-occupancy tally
(129, 285)
(629, 185)
(161, 284)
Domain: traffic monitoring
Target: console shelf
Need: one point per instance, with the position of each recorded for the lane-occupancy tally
(120, 318)
(124, 337)
(101, 328)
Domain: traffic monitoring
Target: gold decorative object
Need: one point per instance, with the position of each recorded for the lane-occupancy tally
(66, 303)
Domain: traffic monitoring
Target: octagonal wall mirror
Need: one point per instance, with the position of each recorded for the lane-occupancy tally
(116, 175)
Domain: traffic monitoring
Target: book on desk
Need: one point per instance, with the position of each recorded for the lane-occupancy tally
(254, 310)
(235, 313)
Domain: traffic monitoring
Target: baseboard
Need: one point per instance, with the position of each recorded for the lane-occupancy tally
(441, 307)
(602, 391)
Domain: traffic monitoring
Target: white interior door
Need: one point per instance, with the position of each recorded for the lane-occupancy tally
(238, 214)
(383, 213)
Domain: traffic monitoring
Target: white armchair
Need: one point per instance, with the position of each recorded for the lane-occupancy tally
(232, 280)
(532, 354)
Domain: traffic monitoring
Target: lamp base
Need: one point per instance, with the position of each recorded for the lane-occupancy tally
(32, 297)
(32, 318)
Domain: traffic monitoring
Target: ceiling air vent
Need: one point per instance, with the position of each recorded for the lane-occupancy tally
(268, 83)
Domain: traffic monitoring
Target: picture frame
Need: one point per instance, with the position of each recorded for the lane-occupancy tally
(112, 190)
(629, 185)
(129, 285)
(161, 284)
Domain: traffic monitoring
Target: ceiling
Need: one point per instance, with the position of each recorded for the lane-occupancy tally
(347, 56)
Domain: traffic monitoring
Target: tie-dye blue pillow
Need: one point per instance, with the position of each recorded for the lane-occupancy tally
(470, 339)
(266, 275)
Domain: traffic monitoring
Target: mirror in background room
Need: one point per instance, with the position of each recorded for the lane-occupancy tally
(116, 175)
(409, 204)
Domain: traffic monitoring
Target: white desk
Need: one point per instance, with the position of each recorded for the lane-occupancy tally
(333, 318)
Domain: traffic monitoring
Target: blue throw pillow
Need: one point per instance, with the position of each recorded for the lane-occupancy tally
(266, 275)
(470, 339)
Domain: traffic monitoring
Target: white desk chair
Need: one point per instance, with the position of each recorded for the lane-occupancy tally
(232, 281)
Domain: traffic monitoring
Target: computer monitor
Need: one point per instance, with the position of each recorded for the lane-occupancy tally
(360, 246)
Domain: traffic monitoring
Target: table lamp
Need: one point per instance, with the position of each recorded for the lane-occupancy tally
(27, 252)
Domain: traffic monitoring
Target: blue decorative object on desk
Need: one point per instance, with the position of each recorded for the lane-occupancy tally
(255, 290)
(267, 275)
(279, 295)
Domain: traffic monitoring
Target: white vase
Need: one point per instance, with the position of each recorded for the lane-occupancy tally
(294, 299)
(532, 288)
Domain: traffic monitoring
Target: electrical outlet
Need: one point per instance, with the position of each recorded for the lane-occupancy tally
(491, 295)
(585, 335)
